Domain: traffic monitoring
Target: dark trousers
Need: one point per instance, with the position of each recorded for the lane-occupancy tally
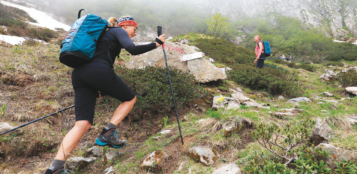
(260, 63)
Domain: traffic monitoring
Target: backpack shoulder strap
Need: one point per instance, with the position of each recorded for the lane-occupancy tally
(109, 55)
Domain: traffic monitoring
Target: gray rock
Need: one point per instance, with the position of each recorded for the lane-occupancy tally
(219, 102)
(79, 162)
(352, 90)
(211, 60)
(329, 75)
(327, 94)
(321, 133)
(86, 144)
(228, 169)
(205, 155)
(201, 69)
(109, 170)
(240, 98)
(111, 156)
(299, 100)
(282, 115)
(184, 41)
(185, 118)
(154, 160)
(204, 71)
(233, 105)
(352, 119)
(337, 154)
(94, 151)
(280, 97)
(165, 132)
(331, 101)
(6, 126)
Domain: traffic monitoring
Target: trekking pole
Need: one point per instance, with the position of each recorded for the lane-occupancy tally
(159, 32)
(36, 120)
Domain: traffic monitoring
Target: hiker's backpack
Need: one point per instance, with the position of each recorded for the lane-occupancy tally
(79, 44)
(267, 49)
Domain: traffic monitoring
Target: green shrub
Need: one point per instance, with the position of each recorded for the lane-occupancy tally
(225, 52)
(272, 80)
(12, 23)
(8, 12)
(153, 92)
(340, 64)
(348, 78)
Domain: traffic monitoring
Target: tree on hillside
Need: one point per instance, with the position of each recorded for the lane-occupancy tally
(218, 25)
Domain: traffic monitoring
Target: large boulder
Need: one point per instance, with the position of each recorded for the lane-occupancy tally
(321, 133)
(228, 169)
(201, 69)
(337, 154)
(154, 160)
(352, 90)
(205, 155)
(79, 162)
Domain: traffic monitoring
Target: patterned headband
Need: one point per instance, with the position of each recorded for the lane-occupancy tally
(127, 21)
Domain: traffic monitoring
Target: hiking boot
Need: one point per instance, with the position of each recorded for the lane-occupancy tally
(58, 171)
(110, 138)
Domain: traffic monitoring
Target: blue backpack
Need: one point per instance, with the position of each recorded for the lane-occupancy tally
(267, 49)
(80, 43)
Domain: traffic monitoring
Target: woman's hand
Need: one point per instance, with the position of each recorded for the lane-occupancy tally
(256, 60)
(162, 38)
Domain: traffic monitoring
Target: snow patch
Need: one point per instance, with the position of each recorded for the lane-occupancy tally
(14, 40)
(338, 41)
(43, 19)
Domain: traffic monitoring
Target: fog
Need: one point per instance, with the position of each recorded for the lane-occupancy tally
(181, 16)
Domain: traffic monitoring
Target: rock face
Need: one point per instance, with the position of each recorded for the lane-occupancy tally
(309, 12)
(352, 119)
(329, 75)
(321, 133)
(110, 156)
(205, 155)
(235, 101)
(201, 69)
(228, 169)
(299, 100)
(352, 90)
(154, 160)
(79, 162)
(337, 154)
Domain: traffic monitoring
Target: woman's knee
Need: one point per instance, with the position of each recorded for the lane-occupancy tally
(83, 124)
(133, 100)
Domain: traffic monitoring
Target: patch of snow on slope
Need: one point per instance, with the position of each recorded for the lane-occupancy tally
(43, 19)
(14, 40)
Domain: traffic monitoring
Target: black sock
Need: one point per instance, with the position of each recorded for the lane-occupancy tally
(110, 126)
(57, 164)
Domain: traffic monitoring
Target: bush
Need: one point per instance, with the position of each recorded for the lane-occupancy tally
(12, 23)
(153, 91)
(340, 64)
(244, 72)
(225, 52)
(8, 12)
(348, 78)
(272, 80)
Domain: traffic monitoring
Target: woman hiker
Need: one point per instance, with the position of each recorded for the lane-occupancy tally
(259, 52)
(98, 75)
